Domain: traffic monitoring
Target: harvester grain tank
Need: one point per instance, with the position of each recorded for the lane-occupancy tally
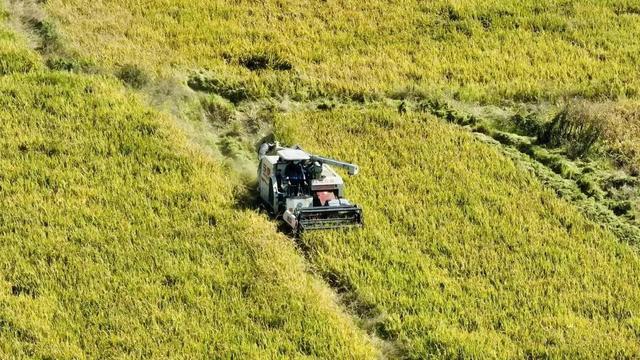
(304, 190)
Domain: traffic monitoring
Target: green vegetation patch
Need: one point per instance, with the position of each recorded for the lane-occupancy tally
(15, 57)
(464, 254)
(117, 241)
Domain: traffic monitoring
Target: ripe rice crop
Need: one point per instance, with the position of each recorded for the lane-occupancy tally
(117, 240)
(484, 50)
(463, 253)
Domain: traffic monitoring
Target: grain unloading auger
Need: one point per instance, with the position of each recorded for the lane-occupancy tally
(304, 190)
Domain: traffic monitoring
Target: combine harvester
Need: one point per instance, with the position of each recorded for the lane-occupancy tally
(303, 190)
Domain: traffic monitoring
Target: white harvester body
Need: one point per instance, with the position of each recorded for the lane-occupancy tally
(304, 190)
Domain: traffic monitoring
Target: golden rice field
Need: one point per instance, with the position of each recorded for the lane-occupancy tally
(464, 255)
(119, 241)
(120, 238)
(484, 50)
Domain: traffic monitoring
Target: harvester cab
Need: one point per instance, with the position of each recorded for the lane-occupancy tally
(304, 190)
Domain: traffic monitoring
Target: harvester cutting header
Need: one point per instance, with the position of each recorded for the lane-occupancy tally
(303, 190)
